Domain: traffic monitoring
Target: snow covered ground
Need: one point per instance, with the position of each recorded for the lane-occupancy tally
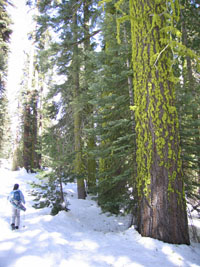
(81, 237)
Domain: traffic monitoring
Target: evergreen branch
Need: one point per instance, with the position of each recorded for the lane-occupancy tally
(85, 38)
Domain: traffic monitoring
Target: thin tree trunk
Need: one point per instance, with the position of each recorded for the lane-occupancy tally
(91, 163)
(77, 118)
(162, 207)
(91, 183)
(34, 133)
(26, 139)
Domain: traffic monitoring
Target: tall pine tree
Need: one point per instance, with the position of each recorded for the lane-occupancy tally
(188, 99)
(5, 33)
(109, 93)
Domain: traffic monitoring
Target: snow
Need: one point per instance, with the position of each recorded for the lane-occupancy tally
(83, 236)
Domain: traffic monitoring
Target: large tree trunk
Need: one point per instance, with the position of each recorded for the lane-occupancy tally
(162, 207)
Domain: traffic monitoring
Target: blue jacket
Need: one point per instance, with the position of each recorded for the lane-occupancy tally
(21, 195)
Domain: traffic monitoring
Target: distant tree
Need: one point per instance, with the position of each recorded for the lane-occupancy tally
(5, 33)
(26, 139)
(30, 154)
(5, 129)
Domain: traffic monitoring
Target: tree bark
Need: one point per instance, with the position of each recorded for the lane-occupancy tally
(162, 207)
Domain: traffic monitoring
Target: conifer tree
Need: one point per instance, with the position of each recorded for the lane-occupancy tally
(73, 39)
(29, 97)
(30, 131)
(56, 141)
(5, 129)
(112, 117)
(94, 116)
(188, 99)
(162, 207)
(78, 163)
(17, 156)
(2, 120)
(90, 139)
(5, 33)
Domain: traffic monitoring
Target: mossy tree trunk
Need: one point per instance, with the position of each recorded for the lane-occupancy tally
(162, 207)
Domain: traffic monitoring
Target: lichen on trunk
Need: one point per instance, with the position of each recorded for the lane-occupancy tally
(162, 207)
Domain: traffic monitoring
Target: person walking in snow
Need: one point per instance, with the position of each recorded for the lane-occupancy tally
(16, 197)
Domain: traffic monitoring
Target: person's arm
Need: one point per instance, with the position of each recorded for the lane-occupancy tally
(22, 197)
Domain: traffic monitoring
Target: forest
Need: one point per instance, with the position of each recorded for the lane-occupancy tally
(110, 98)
